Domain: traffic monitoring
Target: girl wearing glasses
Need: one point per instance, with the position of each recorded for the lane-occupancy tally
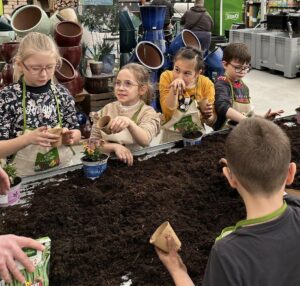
(185, 94)
(33, 104)
(133, 122)
(232, 95)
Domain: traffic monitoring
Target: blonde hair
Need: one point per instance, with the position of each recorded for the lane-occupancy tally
(31, 44)
(142, 76)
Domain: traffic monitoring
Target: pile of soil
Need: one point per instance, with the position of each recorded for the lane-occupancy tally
(100, 229)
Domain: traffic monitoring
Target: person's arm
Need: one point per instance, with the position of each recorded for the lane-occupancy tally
(11, 250)
(173, 262)
(123, 153)
(182, 20)
(270, 115)
(39, 136)
(4, 182)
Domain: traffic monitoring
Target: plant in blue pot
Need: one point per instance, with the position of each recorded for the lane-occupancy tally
(94, 161)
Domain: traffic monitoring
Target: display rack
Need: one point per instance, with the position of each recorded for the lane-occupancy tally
(254, 9)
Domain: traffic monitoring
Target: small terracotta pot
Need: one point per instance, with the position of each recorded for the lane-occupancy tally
(68, 34)
(72, 54)
(7, 74)
(65, 72)
(8, 50)
(56, 131)
(96, 68)
(68, 14)
(103, 123)
(96, 84)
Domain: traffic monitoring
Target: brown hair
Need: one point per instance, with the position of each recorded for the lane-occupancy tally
(31, 44)
(258, 152)
(238, 52)
(189, 53)
(142, 76)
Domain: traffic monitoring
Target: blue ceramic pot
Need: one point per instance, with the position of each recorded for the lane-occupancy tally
(157, 37)
(213, 64)
(153, 17)
(185, 39)
(94, 170)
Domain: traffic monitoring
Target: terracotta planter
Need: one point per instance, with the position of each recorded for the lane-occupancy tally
(9, 50)
(96, 68)
(68, 14)
(75, 86)
(30, 18)
(72, 54)
(68, 34)
(65, 72)
(96, 84)
(7, 74)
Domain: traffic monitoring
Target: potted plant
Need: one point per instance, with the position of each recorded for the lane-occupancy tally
(13, 195)
(190, 131)
(98, 51)
(94, 161)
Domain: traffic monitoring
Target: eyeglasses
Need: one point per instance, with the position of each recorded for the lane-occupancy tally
(127, 84)
(240, 69)
(35, 70)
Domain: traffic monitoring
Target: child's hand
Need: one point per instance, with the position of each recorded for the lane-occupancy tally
(119, 123)
(178, 86)
(41, 137)
(68, 136)
(124, 154)
(272, 114)
(206, 110)
(172, 259)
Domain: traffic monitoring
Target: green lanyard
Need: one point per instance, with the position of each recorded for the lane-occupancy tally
(242, 223)
(24, 106)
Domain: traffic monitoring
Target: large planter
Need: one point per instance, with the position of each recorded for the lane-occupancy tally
(96, 84)
(65, 72)
(72, 54)
(68, 34)
(13, 195)
(7, 74)
(94, 170)
(30, 18)
(8, 50)
(75, 86)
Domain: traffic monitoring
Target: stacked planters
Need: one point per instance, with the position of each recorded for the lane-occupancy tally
(67, 35)
(8, 50)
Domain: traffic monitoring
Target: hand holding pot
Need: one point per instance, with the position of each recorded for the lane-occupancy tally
(70, 137)
(41, 137)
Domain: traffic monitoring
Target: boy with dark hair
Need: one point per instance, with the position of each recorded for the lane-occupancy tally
(264, 248)
(232, 95)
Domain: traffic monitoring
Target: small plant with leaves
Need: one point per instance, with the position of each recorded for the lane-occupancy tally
(11, 171)
(99, 50)
(187, 127)
(92, 150)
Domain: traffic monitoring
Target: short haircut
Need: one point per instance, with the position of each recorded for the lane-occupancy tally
(189, 53)
(238, 52)
(258, 152)
(199, 3)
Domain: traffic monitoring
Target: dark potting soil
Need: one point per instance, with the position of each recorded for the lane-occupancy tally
(100, 229)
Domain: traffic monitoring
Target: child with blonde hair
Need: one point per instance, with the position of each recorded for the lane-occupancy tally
(133, 121)
(33, 104)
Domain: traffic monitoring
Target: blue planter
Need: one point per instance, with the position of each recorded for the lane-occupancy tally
(153, 17)
(94, 170)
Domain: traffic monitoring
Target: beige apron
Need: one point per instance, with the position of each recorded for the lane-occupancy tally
(123, 137)
(246, 109)
(28, 160)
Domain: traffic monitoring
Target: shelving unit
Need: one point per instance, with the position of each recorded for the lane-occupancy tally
(254, 9)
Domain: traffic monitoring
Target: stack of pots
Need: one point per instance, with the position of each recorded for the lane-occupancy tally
(8, 50)
(67, 35)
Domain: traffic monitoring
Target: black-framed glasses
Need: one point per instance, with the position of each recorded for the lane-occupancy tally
(35, 70)
(127, 84)
(240, 69)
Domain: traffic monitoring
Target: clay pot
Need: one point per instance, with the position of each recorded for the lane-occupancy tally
(8, 50)
(30, 18)
(96, 84)
(56, 131)
(68, 34)
(72, 54)
(75, 86)
(7, 74)
(68, 14)
(96, 68)
(103, 123)
(65, 72)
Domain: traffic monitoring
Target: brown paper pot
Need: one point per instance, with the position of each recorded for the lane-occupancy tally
(56, 131)
(103, 124)
(158, 238)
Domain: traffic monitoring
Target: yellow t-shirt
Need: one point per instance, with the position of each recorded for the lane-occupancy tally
(205, 89)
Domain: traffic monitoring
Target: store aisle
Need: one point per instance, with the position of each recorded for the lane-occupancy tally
(274, 91)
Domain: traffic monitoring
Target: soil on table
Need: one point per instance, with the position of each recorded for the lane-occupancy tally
(100, 229)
